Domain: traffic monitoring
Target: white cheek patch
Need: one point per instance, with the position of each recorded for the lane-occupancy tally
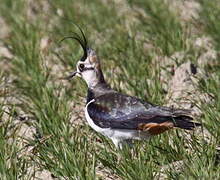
(88, 73)
(89, 67)
(90, 77)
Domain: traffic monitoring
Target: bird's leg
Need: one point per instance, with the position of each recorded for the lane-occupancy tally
(128, 148)
(118, 145)
(124, 148)
(128, 143)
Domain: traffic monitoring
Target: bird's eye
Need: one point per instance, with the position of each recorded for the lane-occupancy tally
(81, 67)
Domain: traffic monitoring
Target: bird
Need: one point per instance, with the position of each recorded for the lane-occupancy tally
(121, 117)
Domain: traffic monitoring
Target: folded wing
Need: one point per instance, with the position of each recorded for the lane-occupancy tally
(118, 111)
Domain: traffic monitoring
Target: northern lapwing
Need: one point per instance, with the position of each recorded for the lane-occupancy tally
(118, 116)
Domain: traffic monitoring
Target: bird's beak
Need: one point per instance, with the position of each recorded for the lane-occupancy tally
(76, 73)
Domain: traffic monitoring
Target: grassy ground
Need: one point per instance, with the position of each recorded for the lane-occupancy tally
(43, 133)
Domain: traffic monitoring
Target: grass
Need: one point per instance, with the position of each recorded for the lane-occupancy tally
(62, 143)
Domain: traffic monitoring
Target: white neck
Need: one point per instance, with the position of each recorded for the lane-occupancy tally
(91, 78)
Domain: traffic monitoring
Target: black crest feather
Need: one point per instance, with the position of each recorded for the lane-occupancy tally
(81, 39)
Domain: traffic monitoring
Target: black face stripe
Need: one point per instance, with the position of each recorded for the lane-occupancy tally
(81, 69)
(90, 68)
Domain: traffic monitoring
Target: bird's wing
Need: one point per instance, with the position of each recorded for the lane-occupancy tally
(118, 111)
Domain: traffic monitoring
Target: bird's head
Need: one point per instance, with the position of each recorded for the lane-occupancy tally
(88, 67)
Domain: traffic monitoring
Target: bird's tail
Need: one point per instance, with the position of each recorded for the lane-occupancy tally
(181, 118)
(184, 122)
